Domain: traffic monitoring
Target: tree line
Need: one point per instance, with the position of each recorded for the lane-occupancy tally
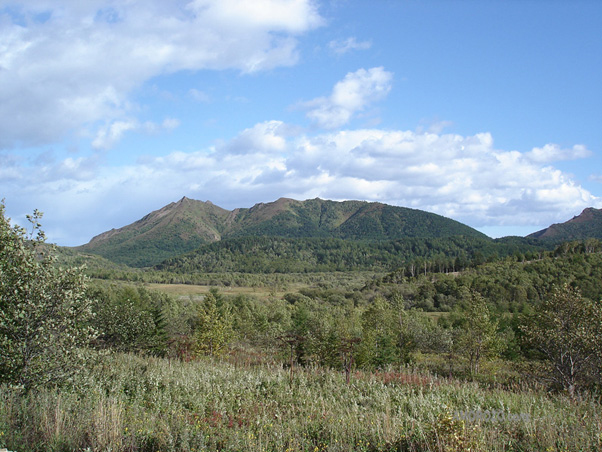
(289, 255)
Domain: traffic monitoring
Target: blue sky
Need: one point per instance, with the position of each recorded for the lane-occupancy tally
(488, 112)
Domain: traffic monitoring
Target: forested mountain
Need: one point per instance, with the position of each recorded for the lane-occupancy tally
(586, 225)
(186, 225)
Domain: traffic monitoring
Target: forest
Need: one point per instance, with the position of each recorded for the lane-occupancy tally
(314, 344)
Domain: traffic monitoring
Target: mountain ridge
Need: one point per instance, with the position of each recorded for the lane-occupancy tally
(588, 224)
(187, 224)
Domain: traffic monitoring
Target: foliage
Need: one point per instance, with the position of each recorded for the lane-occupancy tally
(213, 330)
(292, 255)
(44, 311)
(258, 322)
(567, 330)
(357, 345)
(327, 317)
(378, 347)
(478, 338)
(512, 284)
(130, 319)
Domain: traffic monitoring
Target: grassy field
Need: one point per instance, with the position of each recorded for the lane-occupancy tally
(270, 285)
(130, 403)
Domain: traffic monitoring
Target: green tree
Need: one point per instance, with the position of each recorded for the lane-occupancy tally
(44, 311)
(130, 319)
(478, 338)
(214, 327)
(378, 347)
(567, 331)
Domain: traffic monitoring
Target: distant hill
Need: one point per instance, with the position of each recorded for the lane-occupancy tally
(587, 225)
(186, 225)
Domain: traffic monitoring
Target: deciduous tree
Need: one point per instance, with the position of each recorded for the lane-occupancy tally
(478, 337)
(567, 331)
(44, 311)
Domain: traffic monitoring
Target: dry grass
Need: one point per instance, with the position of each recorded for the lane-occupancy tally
(130, 403)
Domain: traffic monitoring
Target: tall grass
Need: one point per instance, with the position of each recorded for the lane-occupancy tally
(129, 403)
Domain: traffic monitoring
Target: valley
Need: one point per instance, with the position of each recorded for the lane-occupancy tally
(302, 337)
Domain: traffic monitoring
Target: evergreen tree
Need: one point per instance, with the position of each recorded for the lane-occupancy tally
(379, 342)
(130, 320)
(214, 326)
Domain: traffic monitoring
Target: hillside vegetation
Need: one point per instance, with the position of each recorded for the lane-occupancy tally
(514, 284)
(186, 225)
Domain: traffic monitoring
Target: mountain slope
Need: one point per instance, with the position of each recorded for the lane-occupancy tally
(357, 220)
(177, 228)
(187, 224)
(584, 226)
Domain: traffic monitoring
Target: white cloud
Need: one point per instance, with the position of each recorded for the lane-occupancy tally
(342, 46)
(81, 62)
(349, 96)
(463, 177)
(170, 123)
(266, 137)
(109, 135)
(282, 15)
(553, 153)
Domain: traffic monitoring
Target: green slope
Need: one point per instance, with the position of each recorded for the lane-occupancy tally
(175, 229)
(513, 284)
(587, 225)
(188, 224)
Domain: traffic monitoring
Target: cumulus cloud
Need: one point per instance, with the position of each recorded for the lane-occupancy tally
(266, 137)
(269, 15)
(342, 46)
(462, 177)
(553, 153)
(66, 64)
(349, 96)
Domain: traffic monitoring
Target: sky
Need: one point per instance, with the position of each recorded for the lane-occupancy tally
(488, 112)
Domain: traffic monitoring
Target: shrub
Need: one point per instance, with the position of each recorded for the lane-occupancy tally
(44, 313)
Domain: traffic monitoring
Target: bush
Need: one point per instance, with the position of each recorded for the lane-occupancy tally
(130, 319)
(44, 313)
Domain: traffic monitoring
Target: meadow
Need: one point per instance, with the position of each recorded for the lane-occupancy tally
(128, 402)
